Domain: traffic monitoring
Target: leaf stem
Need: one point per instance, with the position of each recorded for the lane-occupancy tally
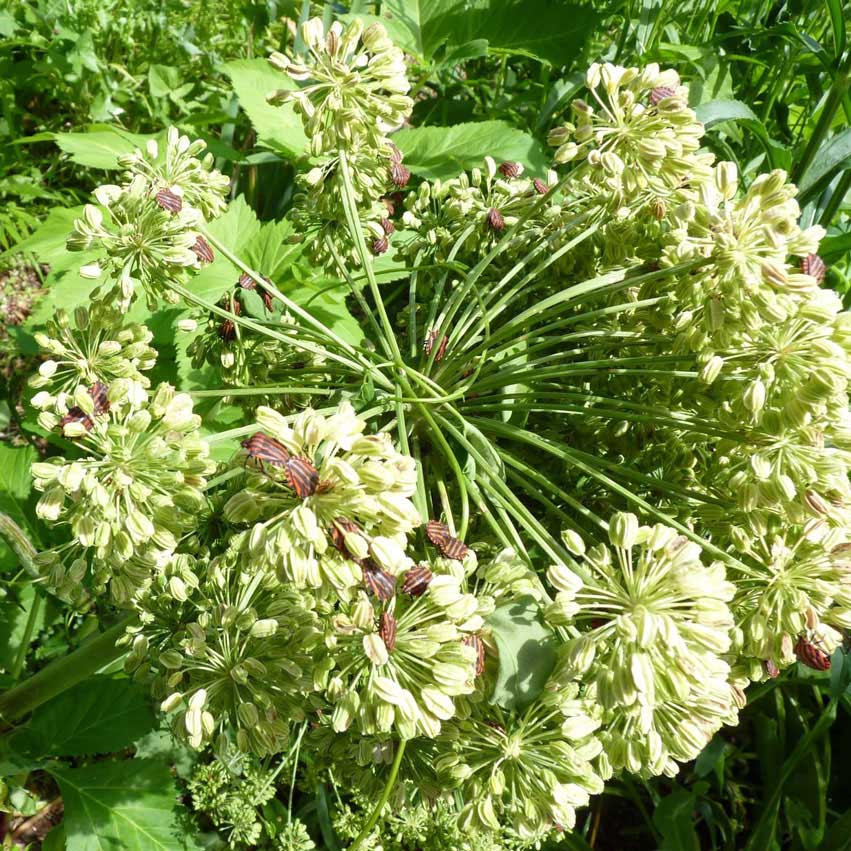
(385, 796)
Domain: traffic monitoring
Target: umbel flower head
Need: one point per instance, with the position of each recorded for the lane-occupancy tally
(228, 650)
(332, 505)
(138, 486)
(97, 347)
(401, 666)
(656, 625)
(179, 170)
(355, 86)
(525, 771)
(802, 583)
(637, 135)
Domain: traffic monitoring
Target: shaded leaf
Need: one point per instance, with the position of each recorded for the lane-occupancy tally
(101, 145)
(14, 614)
(673, 818)
(527, 652)
(443, 152)
(833, 156)
(121, 806)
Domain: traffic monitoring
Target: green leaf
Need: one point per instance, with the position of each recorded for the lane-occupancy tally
(550, 30)
(716, 111)
(673, 818)
(14, 614)
(15, 480)
(47, 242)
(162, 745)
(99, 715)
(527, 652)
(833, 156)
(121, 806)
(101, 145)
(163, 80)
(443, 152)
(278, 127)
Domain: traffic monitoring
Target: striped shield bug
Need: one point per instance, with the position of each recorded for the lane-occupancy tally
(248, 283)
(202, 250)
(438, 533)
(169, 201)
(660, 93)
(430, 340)
(510, 169)
(495, 220)
(416, 580)
(76, 415)
(475, 641)
(387, 630)
(378, 582)
(262, 448)
(540, 187)
(301, 476)
(814, 266)
(771, 668)
(339, 528)
(100, 396)
(811, 655)
(227, 330)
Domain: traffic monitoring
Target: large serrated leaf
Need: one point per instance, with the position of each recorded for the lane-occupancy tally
(278, 127)
(527, 652)
(443, 152)
(99, 715)
(121, 806)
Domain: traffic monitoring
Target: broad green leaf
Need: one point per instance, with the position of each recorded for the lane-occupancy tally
(674, 821)
(527, 652)
(15, 479)
(47, 242)
(278, 127)
(550, 30)
(101, 145)
(14, 614)
(121, 806)
(99, 715)
(163, 80)
(833, 156)
(715, 111)
(443, 152)
(161, 745)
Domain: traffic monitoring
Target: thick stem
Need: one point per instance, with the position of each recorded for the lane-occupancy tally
(385, 797)
(20, 545)
(64, 673)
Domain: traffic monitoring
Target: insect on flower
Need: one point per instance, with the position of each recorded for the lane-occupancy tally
(169, 201)
(540, 187)
(76, 415)
(100, 396)
(262, 448)
(388, 227)
(380, 245)
(301, 476)
(398, 173)
(202, 250)
(438, 533)
(811, 655)
(416, 580)
(771, 669)
(814, 266)
(227, 330)
(475, 641)
(340, 527)
(378, 582)
(387, 630)
(495, 219)
(428, 345)
(660, 93)
(248, 283)
(510, 169)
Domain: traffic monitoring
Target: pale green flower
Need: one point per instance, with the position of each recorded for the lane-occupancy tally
(228, 649)
(655, 625)
(362, 480)
(138, 486)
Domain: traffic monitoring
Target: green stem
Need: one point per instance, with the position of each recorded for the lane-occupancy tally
(21, 655)
(64, 673)
(385, 797)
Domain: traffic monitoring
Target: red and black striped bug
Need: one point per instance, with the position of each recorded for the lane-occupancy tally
(495, 220)
(340, 527)
(438, 533)
(416, 580)
(227, 330)
(248, 283)
(387, 630)
(169, 201)
(301, 476)
(660, 93)
(811, 655)
(771, 669)
(475, 641)
(76, 415)
(388, 227)
(540, 187)
(510, 169)
(100, 396)
(380, 245)
(430, 340)
(398, 173)
(378, 582)
(814, 266)
(202, 250)
(262, 448)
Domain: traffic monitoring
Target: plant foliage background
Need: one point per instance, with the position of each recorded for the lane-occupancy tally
(548, 412)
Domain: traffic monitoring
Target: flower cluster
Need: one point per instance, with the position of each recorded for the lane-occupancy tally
(98, 347)
(656, 627)
(146, 231)
(354, 95)
(347, 514)
(227, 648)
(133, 494)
